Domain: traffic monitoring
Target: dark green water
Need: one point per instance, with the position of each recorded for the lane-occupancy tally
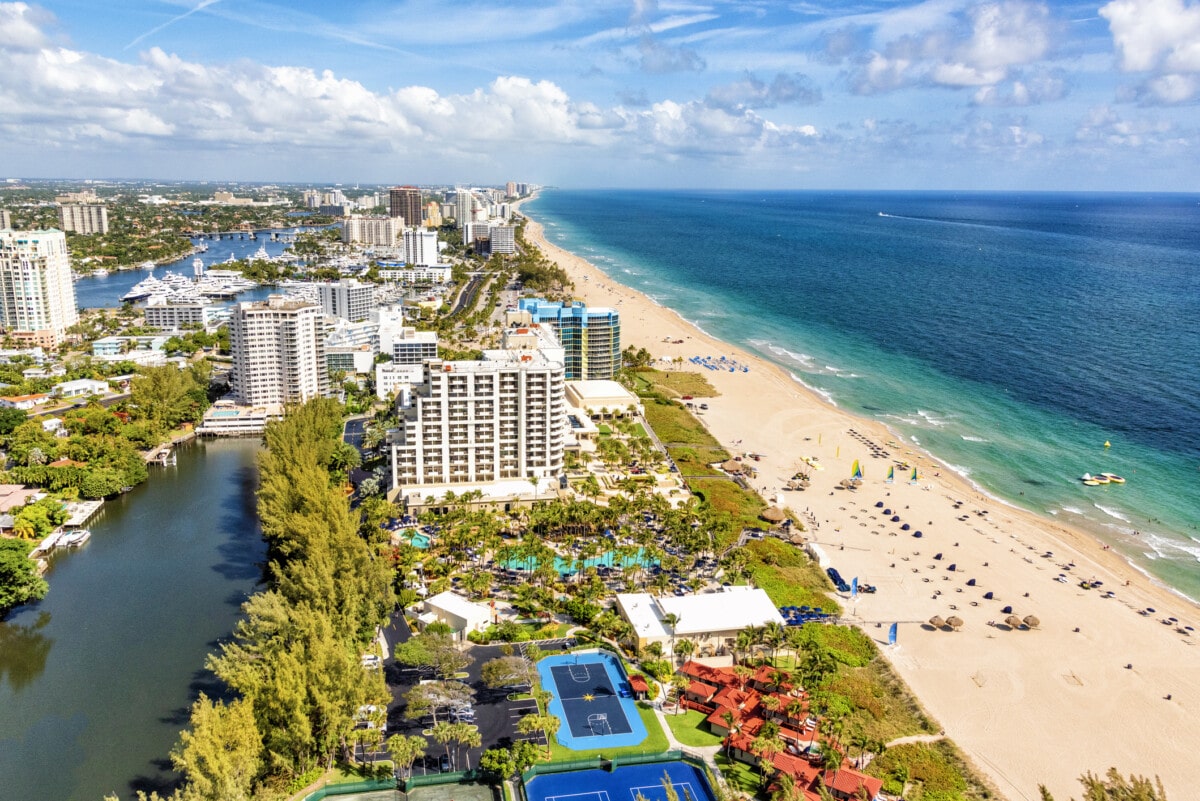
(97, 679)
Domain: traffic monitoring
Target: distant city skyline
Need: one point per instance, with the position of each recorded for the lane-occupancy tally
(937, 94)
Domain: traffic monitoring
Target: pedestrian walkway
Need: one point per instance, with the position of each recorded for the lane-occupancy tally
(706, 752)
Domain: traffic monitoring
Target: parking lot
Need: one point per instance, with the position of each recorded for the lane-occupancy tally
(495, 715)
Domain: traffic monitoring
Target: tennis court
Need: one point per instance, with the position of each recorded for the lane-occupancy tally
(623, 784)
(585, 695)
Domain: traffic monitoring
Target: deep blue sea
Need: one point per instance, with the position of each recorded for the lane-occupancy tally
(1011, 335)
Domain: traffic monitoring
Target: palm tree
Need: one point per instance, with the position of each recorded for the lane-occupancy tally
(685, 648)
(406, 750)
(772, 635)
(743, 674)
(443, 733)
(467, 736)
(679, 683)
(731, 724)
(766, 749)
(671, 619)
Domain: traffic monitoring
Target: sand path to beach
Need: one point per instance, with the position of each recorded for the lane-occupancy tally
(1084, 691)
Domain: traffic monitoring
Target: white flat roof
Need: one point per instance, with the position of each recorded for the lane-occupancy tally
(457, 605)
(604, 389)
(734, 608)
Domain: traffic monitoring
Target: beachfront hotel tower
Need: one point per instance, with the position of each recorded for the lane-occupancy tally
(278, 348)
(37, 296)
(405, 202)
(476, 422)
(590, 337)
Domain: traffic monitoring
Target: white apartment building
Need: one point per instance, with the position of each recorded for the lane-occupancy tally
(5, 219)
(503, 240)
(391, 378)
(475, 422)
(371, 230)
(439, 274)
(410, 346)
(176, 315)
(420, 247)
(278, 349)
(37, 296)
(84, 218)
(349, 299)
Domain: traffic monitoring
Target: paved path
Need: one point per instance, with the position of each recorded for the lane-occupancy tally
(705, 752)
(917, 738)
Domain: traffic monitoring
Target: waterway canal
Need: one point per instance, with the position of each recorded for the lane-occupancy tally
(96, 680)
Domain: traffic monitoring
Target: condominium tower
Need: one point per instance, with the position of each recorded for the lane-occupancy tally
(278, 349)
(348, 299)
(405, 201)
(37, 297)
(474, 422)
(591, 337)
(84, 218)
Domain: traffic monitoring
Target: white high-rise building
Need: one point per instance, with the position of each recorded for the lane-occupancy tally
(5, 219)
(476, 422)
(503, 240)
(420, 247)
(84, 218)
(278, 349)
(370, 230)
(349, 299)
(464, 205)
(37, 296)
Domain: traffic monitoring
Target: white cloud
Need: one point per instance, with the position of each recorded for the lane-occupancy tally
(1104, 127)
(21, 26)
(1155, 33)
(1161, 37)
(751, 92)
(658, 58)
(977, 47)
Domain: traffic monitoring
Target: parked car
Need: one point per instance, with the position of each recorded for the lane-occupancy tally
(444, 764)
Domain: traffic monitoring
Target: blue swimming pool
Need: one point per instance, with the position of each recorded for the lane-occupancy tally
(590, 694)
(567, 567)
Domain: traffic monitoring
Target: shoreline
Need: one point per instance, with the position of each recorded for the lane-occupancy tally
(1066, 680)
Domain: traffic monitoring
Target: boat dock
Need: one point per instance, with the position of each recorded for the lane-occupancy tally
(81, 511)
(163, 456)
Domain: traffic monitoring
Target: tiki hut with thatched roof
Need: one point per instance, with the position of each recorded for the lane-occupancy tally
(954, 622)
(937, 622)
(1013, 622)
(1032, 622)
(773, 515)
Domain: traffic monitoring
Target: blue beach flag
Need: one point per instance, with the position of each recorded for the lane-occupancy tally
(854, 587)
(892, 634)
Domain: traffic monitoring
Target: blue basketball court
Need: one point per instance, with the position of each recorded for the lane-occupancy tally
(587, 692)
(623, 784)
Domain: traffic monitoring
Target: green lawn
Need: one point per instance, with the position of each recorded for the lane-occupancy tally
(690, 729)
(674, 383)
(655, 743)
(739, 775)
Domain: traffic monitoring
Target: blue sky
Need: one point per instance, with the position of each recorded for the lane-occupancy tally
(999, 94)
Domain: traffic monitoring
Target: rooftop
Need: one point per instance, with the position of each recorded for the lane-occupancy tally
(735, 608)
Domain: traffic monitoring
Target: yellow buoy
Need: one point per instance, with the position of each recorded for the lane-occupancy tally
(1107, 444)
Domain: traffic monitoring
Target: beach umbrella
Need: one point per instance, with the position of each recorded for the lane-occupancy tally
(938, 555)
(878, 504)
(954, 622)
(970, 582)
(1032, 622)
(1006, 610)
(953, 567)
(895, 518)
(937, 622)
(1013, 622)
(987, 596)
(905, 527)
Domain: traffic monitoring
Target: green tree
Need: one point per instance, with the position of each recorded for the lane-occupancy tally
(10, 419)
(19, 579)
(1112, 786)
(406, 750)
(220, 754)
(507, 671)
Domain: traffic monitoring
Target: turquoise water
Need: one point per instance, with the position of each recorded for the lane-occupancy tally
(569, 567)
(1010, 335)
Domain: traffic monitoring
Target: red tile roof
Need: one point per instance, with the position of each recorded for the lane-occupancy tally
(638, 684)
(848, 780)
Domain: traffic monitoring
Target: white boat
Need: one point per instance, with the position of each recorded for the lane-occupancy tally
(147, 265)
(75, 538)
(99, 273)
(1113, 478)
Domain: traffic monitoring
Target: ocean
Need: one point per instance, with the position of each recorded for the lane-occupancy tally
(1011, 335)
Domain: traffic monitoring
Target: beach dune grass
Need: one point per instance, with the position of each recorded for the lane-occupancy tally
(934, 770)
(789, 576)
(674, 384)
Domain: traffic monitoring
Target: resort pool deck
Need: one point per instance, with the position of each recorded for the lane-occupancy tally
(586, 694)
(624, 783)
(568, 567)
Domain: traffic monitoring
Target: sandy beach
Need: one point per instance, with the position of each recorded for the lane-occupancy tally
(1098, 683)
